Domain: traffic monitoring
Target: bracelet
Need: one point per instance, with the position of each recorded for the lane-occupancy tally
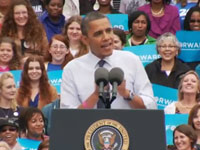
(84, 104)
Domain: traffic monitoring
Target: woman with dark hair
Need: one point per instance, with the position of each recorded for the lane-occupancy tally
(167, 70)
(194, 121)
(119, 38)
(188, 94)
(59, 54)
(9, 55)
(31, 124)
(192, 19)
(53, 19)
(163, 16)
(184, 137)
(72, 31)
(139, 27)
(21, 23)
(35, 89)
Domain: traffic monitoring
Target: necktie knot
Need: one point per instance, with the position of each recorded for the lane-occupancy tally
(101, 63)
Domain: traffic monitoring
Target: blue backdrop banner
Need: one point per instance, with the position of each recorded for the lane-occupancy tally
(147, 53)
(190, 45)
(119, 21)
(171, 122)
(164, 95)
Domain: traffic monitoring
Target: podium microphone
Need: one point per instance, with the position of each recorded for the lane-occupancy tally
(116, 76)
(101, 79)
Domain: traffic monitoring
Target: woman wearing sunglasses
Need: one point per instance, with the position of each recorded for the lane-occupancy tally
(9, 132)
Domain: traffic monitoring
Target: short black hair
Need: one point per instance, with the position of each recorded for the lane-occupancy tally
(26, 115)
(133, 16)
(91, 16)
(46, 2)
(188, 17)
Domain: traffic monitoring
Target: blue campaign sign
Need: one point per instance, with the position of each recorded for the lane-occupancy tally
(171, 122)
(28, 144)
(190, 45)
(147, 53)
(55, 79)
(119, 21)
(17, 76)
(164, 95)
(183, 11)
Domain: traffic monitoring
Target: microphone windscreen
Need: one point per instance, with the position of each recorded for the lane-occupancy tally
(101, 75)
(116, 75)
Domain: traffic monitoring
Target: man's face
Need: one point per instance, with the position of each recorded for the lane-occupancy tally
(9, 135)
(100, 38)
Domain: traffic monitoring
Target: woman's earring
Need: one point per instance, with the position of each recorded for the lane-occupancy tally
(96, 5)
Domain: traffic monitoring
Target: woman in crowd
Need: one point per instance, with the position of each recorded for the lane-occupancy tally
(192, 19)
(119, 38)
(139, 27)
(59, 54)
(188, 94)
(35, 89)
(9, 55)
(72, 31)
(4, 7)
(53, 19)
(129, 6)
(194, 121)
(21, 23)
(163, 16)
(184, 137)
(192, 23)
(167, 69)
(105, 7)
(31, 124)
(8, 104)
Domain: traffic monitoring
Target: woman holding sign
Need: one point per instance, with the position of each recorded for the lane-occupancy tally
(188, 94)
(139, 27)
(59, 54)
(167, 70)
(184, 137)
(34, 89)
(194, 121)
(31, 123)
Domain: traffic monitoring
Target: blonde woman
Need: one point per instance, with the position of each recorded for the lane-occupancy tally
(8, 104)
(188, 94)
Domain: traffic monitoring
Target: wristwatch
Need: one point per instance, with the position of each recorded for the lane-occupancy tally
(130, 97)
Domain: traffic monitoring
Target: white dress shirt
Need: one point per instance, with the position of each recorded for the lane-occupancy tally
(78, 79)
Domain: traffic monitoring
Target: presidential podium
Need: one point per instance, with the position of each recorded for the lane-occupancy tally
(110, 129)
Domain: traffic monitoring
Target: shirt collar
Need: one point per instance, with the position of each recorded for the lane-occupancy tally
(94, 60)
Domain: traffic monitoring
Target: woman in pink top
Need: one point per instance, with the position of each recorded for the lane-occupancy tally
(163, 16)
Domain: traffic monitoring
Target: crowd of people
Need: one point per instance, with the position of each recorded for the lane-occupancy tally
(51, 35)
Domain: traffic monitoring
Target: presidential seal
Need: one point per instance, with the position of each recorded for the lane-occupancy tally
(106, 134)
